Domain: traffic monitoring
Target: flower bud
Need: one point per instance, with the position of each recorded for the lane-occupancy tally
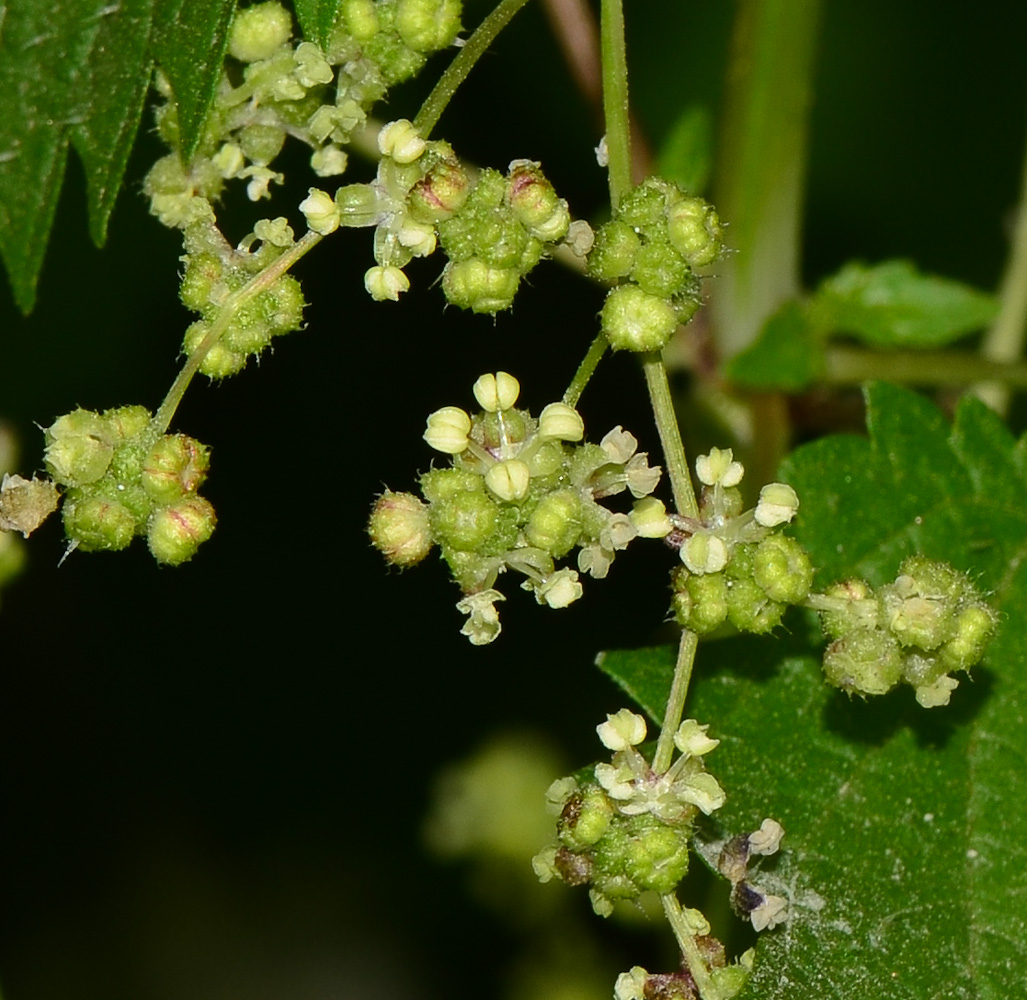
(261, 143)
(441, 484)
(464, 521)
(973, 629)
(660, 270)
(311, 66)
(320, 211)
(440, 193)
(174, 466)
(749, 609)
(258, 31)
(700, 602)
(863, 662)
(361, 19)
(535, 203)
(613, 252)
(782, 569)
(561, 422)
(399, 528)
(719, 467)
(176, 532)
(649, 516)
(777, 505)
(655, 855)
(509, 480)
(634, 320)
(847, 606)
(560, 589)
(704, 553)
(203, 274)
(473, 284)
(555, 524)
(694, 229)
(621, 730)
(329, 161)
(644, 206)
(97, 523)
(428, 25)
(385, 283)
(401, 141)
(496, 392)
(585, 819)
(78, 448)
(417, 237)
(358, 205)
(448, 429)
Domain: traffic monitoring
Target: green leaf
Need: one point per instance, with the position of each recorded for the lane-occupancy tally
(787, 356)
(189, 45)
(78, 71)
(904, 826)
(894, 305)
(317, 17)
(686, 156)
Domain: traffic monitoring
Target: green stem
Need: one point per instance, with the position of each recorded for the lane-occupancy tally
(670, 435)
(853, 365)
(257, 284)
(687, 944)
(615, 98)
(458, 70)
(586, 369)
(1003, 343)
(676, 702)
(762, 163)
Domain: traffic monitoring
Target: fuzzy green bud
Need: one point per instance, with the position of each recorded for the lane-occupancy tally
(176, 532)
(749, 608)
(401, 141)
(361, 19)
(321, 212)
(441, 484)
(203, 274)
(535, 203)
(427, 25)
(358, 205)
(400, 528)
(973, 629)
(782, 569)
(78, 448)
(700, 602)
(440, 193)
(614, 251)
(849, 605)
(258, 31)
(555, 524)
(261, 143)
(660, 270)
(473, 284)
(97, 523)
(863, 662)
(634, 320)
(174, 466)
(464, 521)
(643, 207)
(585, 818)
(694, 229)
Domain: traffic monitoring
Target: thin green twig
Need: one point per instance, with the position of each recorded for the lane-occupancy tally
(615, 98)
(676, 701)
(687, 944)
(586, 369)
(670, 435)
(458, 70)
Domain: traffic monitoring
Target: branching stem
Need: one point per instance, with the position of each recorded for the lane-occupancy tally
(586, 369)
(687, 944)
(458, 70)
(258, 283)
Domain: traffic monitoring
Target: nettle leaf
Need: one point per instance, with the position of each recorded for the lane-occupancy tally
(788, 354)
(77, 71)
(894, 305)
(905, 827)
(317, 17)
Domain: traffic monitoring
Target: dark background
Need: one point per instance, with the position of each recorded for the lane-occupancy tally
(213, 778)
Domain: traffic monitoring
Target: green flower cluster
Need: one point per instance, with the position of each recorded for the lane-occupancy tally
(273, 87)
(215, 275)
(123, 480)
(626, 830)
(737, 566)
(928, 622)
(521, 493)
(654, 246)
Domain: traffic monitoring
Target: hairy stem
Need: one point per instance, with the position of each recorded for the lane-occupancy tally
(615, 98)
(586, 369)
(257, 284)
(670, 435)
(457, 71)
(686, 942)
(676, 702)
(1003, 343)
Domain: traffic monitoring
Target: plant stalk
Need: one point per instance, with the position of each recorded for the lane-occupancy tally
(670, 435)
(615, 99)
(689, 948)
(676, 701)
(457, 71)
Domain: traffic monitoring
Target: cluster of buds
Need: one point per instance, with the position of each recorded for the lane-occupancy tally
(626, 829)
(214, 273)
(521, 493)
(737, 566)
(122, 480)
(654, 247)
(928, 622)
(273, 87)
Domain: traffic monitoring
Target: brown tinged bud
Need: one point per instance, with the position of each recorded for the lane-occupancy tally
(399, 528)
(176, 465)
(176, 532)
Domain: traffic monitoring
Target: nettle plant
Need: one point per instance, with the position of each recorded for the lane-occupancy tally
(869, 564)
